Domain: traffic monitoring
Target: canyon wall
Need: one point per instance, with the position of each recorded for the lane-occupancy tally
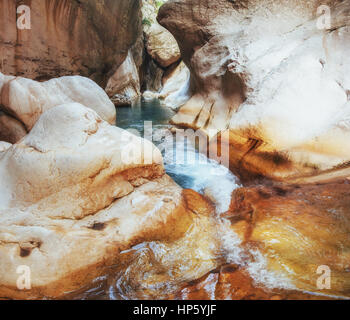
(275, 74)
(68, 37)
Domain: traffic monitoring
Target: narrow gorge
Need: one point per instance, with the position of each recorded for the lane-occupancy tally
(174, 150)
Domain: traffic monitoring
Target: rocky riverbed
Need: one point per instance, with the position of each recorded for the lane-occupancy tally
(182, 149)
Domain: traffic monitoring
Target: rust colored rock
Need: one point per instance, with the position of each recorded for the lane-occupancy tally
(230, 283)
(88, 37)
(297, 230)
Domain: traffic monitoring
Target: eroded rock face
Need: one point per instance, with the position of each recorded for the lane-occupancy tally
(26, 100)
(271, 73)
(67, 212)
(124, 86)
(62, 41)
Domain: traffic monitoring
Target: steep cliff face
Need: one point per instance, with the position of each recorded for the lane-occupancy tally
(272, 72)
(87, 37)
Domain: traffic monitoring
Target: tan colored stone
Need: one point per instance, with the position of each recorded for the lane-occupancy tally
(27, 99)
(275, 79)
(162, 46)
(85, 37)
(75, 192)
(124, 86)
(293, 230)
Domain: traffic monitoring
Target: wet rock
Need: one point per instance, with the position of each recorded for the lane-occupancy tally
(289, 232)
(175, 87)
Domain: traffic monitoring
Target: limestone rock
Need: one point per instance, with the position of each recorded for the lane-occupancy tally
(124, 86)
(150, 95)
(91, 180)
(85, 37)
(162, 46)
(176, 87)
(27, 99)
(271, 74)
(67, 212)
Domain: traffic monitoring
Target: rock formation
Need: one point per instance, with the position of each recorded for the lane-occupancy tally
(87, 37)
(67, 212)
(162, 55)
(24, 100)
(273, 73)
(297, 230)
(175, 91)
(161, 46)
(124, 86)
(288, 237)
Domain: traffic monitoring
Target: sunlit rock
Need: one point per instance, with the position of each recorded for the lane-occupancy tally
(272, 73)
(295, 237)
(74, 193)
(176, 86)
(150, 95)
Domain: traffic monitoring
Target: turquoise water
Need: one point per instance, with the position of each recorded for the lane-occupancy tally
(182, 161)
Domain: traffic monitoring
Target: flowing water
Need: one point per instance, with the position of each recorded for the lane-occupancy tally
(156, 270)
(159, 270)
(189, 168)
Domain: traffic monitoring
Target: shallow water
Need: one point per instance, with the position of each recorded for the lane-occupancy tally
(187, 167)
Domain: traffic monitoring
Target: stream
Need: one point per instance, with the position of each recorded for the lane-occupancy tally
(159, 270)
(138, 275)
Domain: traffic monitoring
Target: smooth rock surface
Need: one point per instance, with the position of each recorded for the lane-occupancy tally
(67, 212)
(162, 46)
(26, 99)
(124, 86)
(86, 37)
(269, 72)
(288, 232)
(176, 86)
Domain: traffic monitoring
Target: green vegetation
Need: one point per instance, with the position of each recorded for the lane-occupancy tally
(147, 22)
(159, 3)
